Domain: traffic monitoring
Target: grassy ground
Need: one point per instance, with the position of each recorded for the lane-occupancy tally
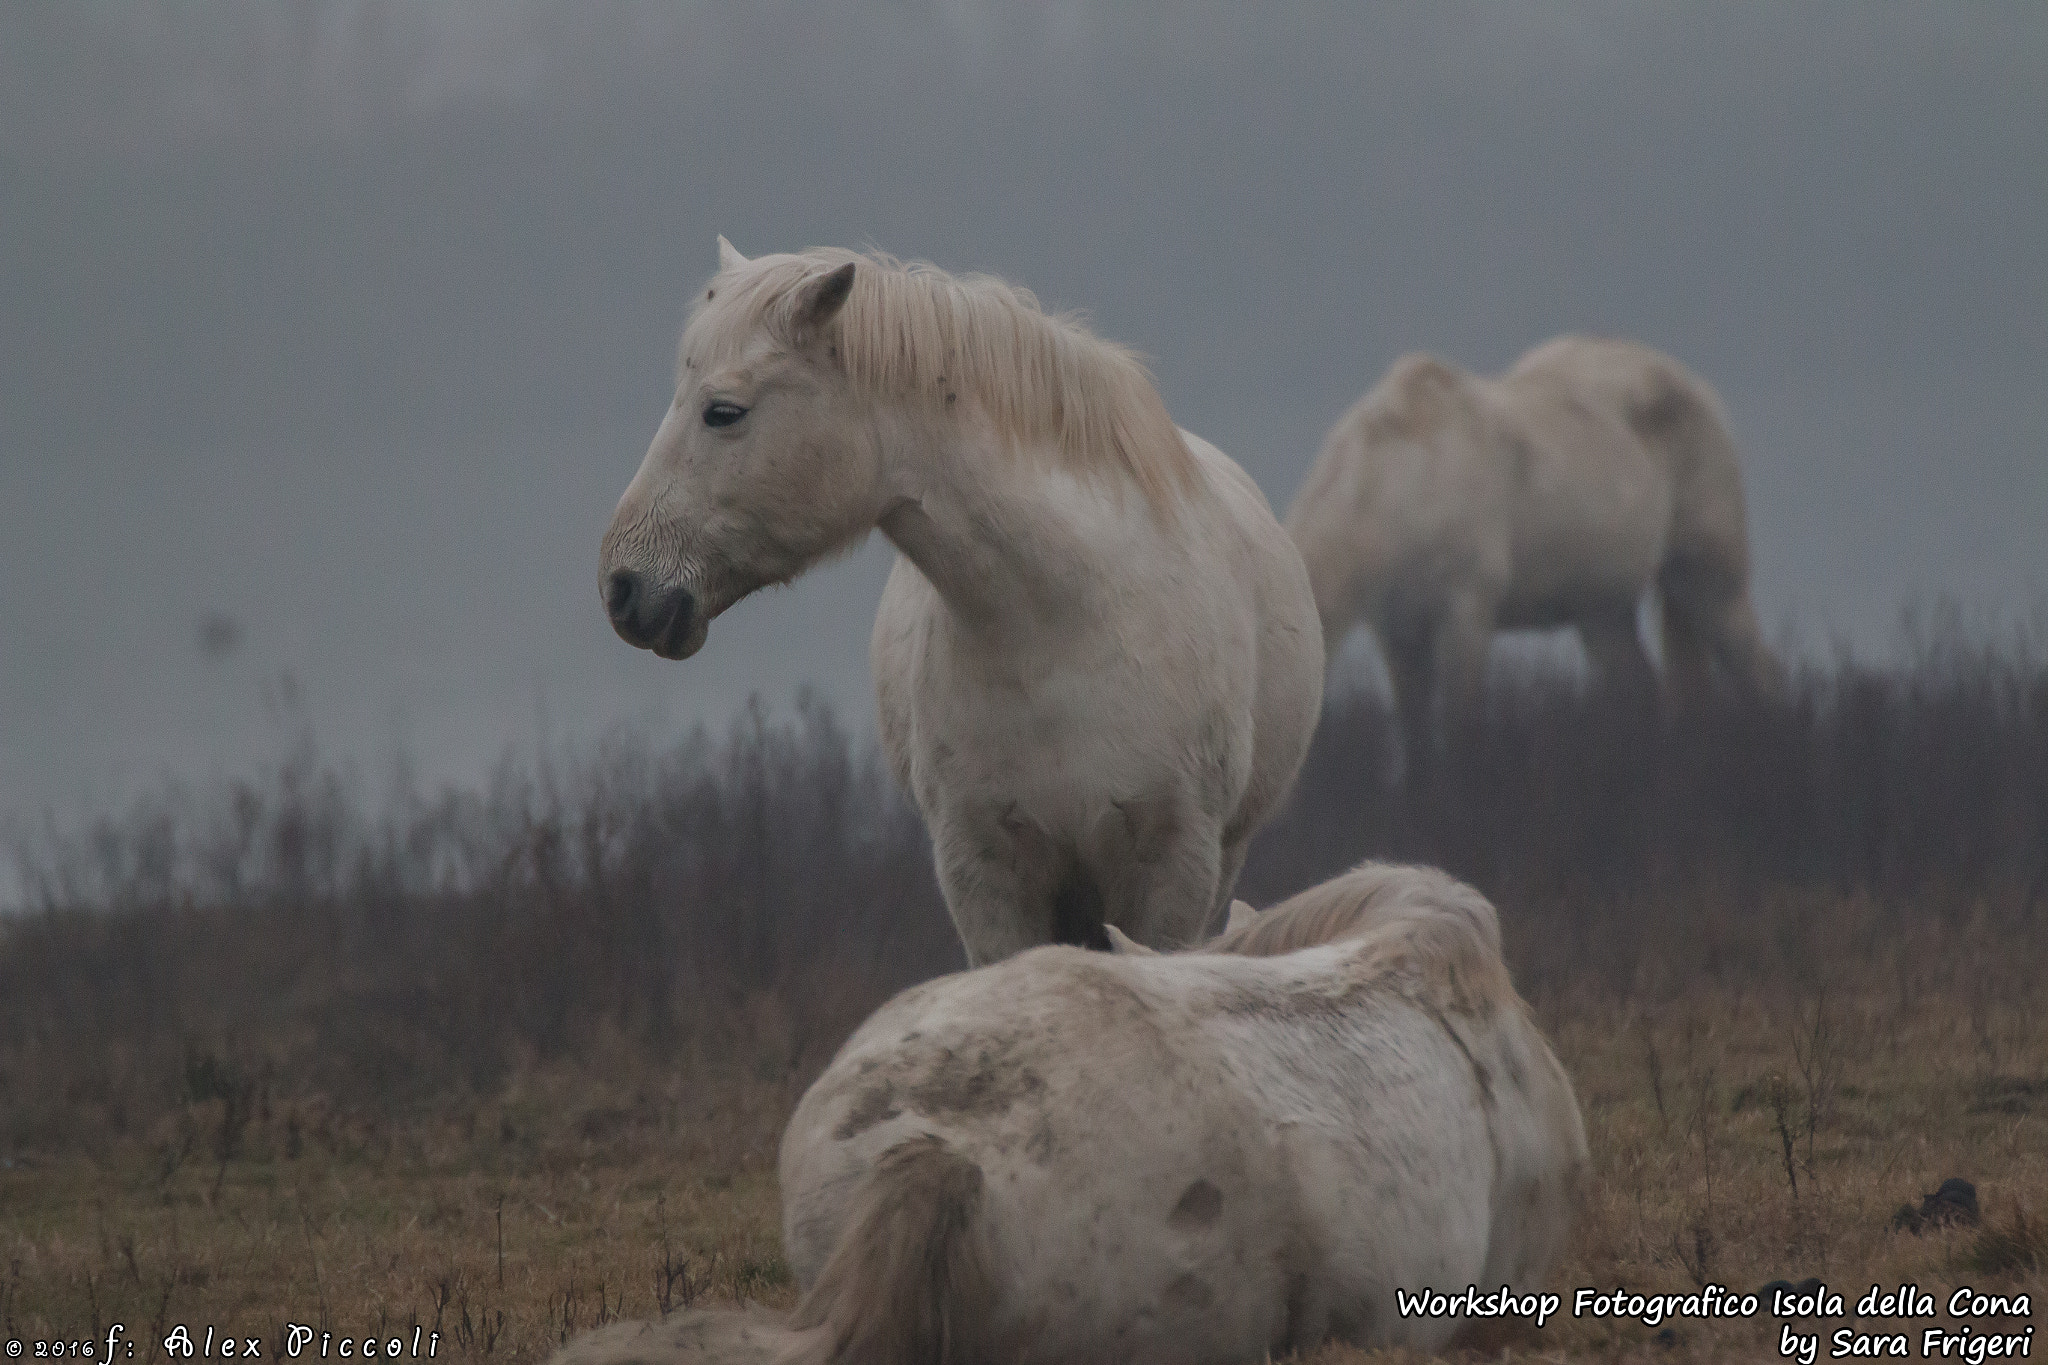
(1741, 1132)
(560, 1205)
(507, 1062)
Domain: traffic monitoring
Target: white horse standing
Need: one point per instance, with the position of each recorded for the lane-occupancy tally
(1446, 506)
(1200, 1157)
(1098, 660)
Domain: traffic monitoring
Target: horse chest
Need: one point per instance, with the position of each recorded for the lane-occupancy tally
(1063, 734)
(1053, 755)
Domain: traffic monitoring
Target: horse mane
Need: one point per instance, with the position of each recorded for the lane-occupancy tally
(1415, 918)
(1416, 400)
(917, 333)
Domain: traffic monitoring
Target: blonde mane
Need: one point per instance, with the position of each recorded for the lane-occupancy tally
(916, 333)
(1419, 917)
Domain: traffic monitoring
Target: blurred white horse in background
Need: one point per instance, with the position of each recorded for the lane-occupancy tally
(1445, 506)
(1208, 1156)
(1098, 660)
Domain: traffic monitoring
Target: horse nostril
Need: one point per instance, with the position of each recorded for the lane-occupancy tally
(648, 615)
(621, 591)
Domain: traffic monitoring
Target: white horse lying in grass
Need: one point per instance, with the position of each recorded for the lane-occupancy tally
(1098, 660)
(1446, 506)
(1206, 1156)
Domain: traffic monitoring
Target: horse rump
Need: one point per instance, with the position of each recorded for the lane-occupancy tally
(909, 1282)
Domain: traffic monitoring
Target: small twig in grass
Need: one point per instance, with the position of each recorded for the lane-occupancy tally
(319, 1290)
(501, 1241)
(1700, 1128)
(1636, 1162)
(1981, 1030)
(174, 1155)
(1699, 1258)
(1813, 1050)
(478, 1334)
(159, 1320)
(443, 1291)
(669, 1272)
(1780, 1096)
(568, 1311)
(1656, 1064)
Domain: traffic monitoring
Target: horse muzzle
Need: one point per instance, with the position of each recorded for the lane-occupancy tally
(649, 616)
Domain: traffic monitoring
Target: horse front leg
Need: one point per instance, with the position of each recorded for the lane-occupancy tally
(1231, 863)
(1005, 881)
(1738, 642)
(1439, 675)
(1614, 644)
(1708, 619)
(1411, 670)
(1159, 860)
(1462, 637)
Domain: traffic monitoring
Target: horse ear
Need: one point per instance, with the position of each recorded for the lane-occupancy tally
(820, 298)
(728, 257)
(1121, 942)
(1241, 914)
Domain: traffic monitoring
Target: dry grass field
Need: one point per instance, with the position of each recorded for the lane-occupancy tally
(504, 1065)
(1738, 1136)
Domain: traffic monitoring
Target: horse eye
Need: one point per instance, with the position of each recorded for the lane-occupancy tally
(723, 414)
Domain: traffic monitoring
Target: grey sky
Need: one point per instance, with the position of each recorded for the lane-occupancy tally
(352, 320)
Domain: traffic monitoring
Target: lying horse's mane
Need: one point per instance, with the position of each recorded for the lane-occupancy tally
(918, 333)
(1415, 917)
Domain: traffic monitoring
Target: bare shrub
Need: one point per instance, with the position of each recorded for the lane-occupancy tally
(736, 905)
(278, 961)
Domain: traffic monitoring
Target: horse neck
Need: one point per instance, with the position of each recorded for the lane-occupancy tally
(1012, 542)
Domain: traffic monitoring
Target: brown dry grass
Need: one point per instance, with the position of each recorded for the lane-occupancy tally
(504, 1225)
(574, 1197)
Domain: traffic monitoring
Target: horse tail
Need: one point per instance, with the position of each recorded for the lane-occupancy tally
(909, 1282)
(1703, 584)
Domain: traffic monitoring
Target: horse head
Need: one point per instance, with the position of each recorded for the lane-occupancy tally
(761, 467)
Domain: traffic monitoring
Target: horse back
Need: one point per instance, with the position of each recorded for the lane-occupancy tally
(1673, 415)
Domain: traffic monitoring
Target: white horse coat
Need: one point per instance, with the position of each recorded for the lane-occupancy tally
(1098, 660)
(1445, 506)
(1199, 1157)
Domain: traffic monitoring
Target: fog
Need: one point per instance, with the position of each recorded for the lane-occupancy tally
(330, 334)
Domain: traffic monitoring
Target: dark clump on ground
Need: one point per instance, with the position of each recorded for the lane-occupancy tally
(1953, 1205)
